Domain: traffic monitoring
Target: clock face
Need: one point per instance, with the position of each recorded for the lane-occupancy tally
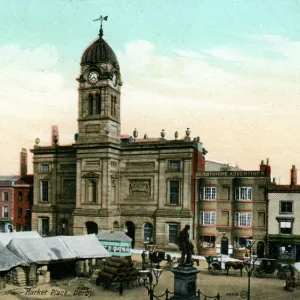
(114, 79)
(93, 77)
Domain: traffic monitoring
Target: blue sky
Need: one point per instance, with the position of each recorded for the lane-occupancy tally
(227, 69)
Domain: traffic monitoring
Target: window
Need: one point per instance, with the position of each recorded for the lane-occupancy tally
(5, 211)
(206, 241)
(28, 196)
(286, 207)
(18, 227)
(44, 191)
(174, 165)
(207, 217)
(91, 104)
(98, 104)
(285, 227)
(20, 196)
(113, 109)
(174, 192)
(45, 168)
(243, 219)
(208, 193)
(19, 212)
(148, 232)
(43, 226)
(243, 193)
(242, 242)
(5, 196)
(173, 233)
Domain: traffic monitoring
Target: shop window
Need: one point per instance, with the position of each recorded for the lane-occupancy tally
(206, 241)
(242, 242)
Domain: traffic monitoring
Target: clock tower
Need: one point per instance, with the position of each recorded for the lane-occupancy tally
(99, 94)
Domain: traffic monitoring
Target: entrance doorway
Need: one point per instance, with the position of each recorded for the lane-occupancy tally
(131, 232)
(91, 227)
(260, 249)
(224, 245)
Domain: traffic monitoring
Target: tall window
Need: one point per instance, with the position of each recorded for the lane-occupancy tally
(98, 104)
(174, 192)
(5, 196)
(43, 226)
(28, 196)
(113, 106)
(20, 212)
(91, 104)
(286, 207)
(208, 193)
(243, 193)
(44, 191)
(207, 217)
(243, 219)
(148, 232)
(5, 211)
(173, 233)
(285, 227)
(20, 196)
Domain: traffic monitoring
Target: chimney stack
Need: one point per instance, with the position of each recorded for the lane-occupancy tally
(265, 168)
(23, 162)
(293, 175)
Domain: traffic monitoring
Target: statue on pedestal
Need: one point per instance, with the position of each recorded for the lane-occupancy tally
(185, 246)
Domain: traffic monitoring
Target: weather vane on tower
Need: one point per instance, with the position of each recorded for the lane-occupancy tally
(101, 19)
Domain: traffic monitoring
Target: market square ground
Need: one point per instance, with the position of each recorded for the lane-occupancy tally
(229, 287)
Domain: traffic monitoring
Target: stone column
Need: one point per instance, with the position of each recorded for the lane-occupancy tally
(185, 282)
(161, 184)
(186, 186)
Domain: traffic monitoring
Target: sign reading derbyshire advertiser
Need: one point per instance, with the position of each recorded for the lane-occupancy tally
(232, 174)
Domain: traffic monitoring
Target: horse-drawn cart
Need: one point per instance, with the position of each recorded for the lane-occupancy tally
(216, 265)
(269, 267)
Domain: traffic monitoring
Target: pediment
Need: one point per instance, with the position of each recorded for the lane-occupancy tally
(90, 175)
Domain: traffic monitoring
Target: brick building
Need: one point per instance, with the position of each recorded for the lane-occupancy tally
(231, 208)
(106, 180)
(284, 220)
(16, 194)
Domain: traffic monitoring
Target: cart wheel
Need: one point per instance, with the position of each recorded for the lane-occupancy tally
(259, 273)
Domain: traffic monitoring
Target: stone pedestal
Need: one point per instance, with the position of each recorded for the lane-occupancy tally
(185, 277)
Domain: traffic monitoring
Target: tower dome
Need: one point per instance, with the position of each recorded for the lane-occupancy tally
(98, 52)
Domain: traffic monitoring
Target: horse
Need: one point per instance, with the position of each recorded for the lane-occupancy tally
(236, 265)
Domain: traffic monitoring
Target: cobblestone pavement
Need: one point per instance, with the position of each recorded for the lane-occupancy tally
(229, 287)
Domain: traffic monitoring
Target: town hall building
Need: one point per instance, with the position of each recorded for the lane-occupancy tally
(109, 181)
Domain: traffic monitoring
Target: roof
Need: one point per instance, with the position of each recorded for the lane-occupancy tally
(9, 260)
(99, 51)
(216, 166)
(56, 248)
(113, 236)
(6, 237)
(11, 178)
(284, 188)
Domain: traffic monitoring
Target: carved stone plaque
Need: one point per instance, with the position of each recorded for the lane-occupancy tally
(139, 187)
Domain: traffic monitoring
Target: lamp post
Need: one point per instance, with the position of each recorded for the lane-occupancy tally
(148, 273)
(248, 266)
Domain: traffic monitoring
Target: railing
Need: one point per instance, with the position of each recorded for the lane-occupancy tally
(199, 294)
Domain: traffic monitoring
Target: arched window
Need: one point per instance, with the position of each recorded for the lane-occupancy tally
(116, 226)
(92, 190)
(91, 104)
(98, 104)
(148, 232)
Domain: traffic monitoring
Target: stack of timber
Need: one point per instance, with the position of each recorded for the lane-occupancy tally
(116, 271)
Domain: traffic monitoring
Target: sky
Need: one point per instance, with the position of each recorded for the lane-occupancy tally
(228, 70)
